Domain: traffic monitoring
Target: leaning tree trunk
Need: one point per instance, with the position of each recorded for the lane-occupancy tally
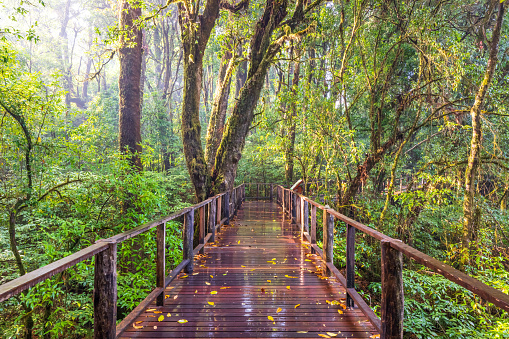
(469, 228)
(290, 142)
(219, 107)
(130, 55)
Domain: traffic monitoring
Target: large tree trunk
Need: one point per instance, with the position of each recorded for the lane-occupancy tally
(219, 107)
(129, 84)
(261, 55)
(195, 36)
(469, 228)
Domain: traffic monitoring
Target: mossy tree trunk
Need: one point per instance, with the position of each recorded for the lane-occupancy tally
(473, 164)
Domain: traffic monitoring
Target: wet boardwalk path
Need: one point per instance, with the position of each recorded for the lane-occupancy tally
(257, 281)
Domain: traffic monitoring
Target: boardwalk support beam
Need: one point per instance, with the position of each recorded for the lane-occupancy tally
(188, 240)
(293, 208)
(212, 220)
(350, 262)
(161, 261)
(105, 293)
(392, 292)
(227, 208)
(328, 238)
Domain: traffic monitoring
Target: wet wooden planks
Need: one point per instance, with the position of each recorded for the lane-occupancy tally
(258, 280)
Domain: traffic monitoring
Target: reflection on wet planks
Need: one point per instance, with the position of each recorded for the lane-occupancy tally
(258, 280)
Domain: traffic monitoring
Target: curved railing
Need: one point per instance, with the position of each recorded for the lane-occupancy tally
(302, 212)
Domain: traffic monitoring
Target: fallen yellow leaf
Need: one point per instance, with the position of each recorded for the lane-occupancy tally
(175, 297)
(269, 281)
(324, 335)
(270, 318)
(151, 309)
(340, 312)
(375, 336)
(213, 292)
(158, 312)
(211, 276)
(279, 310)
(161, 318)
(224, 288)
(182, 321)
(287, 276)
(137, 327)
(302, 331)
(211, 303)
(238, 242)
(287, 287)
(332, 334)
(207, 283)
(242, 266)
(168, 315)
(297, 305)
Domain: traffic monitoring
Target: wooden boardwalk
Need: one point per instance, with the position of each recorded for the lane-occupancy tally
(258, 280)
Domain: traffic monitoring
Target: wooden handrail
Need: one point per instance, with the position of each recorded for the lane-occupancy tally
(105, 252)
(392, 249)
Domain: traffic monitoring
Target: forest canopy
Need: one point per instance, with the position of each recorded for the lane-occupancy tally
(115, 113)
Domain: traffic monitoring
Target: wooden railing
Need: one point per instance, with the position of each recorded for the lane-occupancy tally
(302, 212)
(213, 213)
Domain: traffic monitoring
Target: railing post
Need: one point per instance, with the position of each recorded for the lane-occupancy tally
(301, 217)
(257, 191)
(218, 212)
(350, 262)
(313, 227)
(161, 261)
(201, 230)
(328, 238)
(392, 292)
(234, 202)
(212, 220)
(293, 197)
(270, 194)
(305, 214)
(105, 293)
(227, 208)
(188, 240)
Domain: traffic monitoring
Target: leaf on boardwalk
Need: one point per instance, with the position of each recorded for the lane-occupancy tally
(213, 292)
(151, 309)
(269, 281)
(137, 327)
(332, 334)
(340, 311)
(242, 266)
(238, 242)
(158, 312)
(279, 310)
(212, 276)
(182, 321)
(161, 318)
(297, 305)
(302, 331)
(288, 276)
(168, 315)
(271, 318)
(375, 336)
(175, 297)
(224, 288)
(207, 283)
(287, 287)
(211, 303)
(323, 335)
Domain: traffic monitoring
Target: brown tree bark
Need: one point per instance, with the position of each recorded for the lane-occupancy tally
(130, 55)
(219, 107)
(469, 228)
